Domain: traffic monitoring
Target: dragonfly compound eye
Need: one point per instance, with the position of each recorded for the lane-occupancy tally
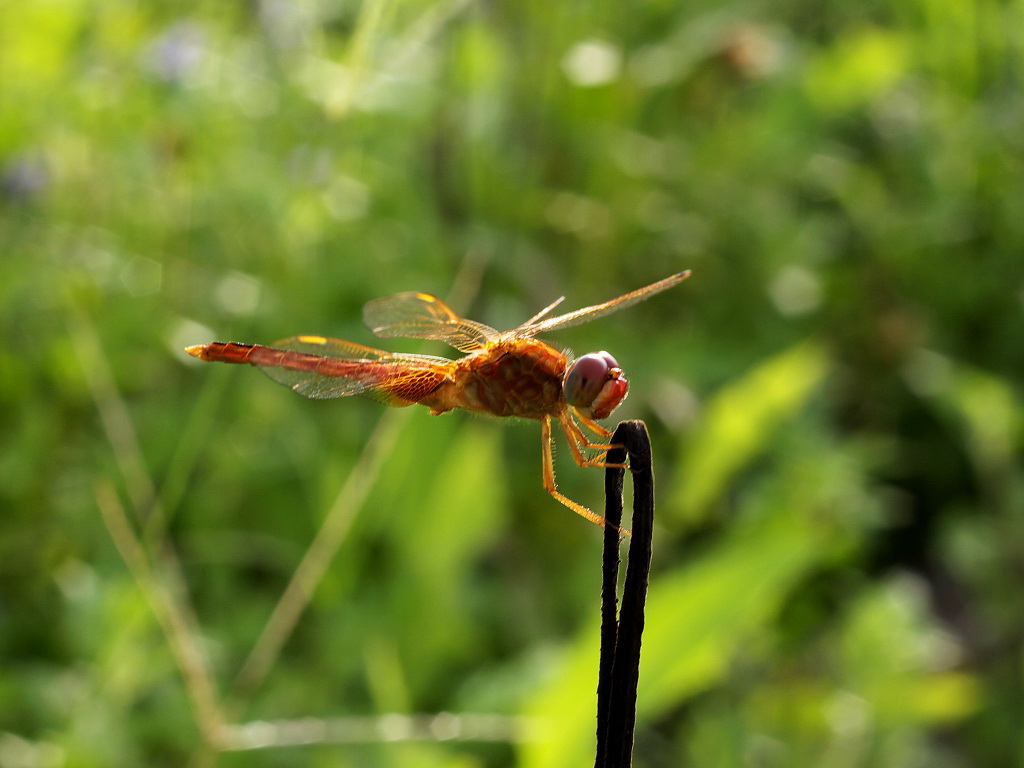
(594, 384)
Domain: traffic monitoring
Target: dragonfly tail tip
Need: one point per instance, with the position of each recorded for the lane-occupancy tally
(197, 351)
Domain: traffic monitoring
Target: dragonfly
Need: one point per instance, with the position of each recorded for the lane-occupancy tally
(503, 373)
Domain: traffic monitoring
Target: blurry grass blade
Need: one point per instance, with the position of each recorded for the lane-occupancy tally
(116, 419)
(424, 29)
(168, 603)
(739, 422)
(360, 76)
(176, 623)
(188, 450)
(318, 557)
(389, 728)
(708, 609)
(342, 95)
(464, 503)
(440, 537)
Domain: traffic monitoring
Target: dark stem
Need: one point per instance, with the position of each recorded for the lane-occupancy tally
(619, 670)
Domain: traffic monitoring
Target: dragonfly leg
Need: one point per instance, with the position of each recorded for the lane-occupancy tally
(577, 439)
(592, 425)
(549, 478)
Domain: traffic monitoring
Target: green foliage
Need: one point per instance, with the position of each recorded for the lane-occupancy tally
(834, 396)
(739, 422)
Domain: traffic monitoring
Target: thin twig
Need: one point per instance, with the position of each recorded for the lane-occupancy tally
(619, 671)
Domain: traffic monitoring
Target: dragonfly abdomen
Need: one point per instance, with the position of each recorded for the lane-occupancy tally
(268, 357)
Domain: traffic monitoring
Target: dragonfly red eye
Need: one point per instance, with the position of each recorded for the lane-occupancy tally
(594, 384)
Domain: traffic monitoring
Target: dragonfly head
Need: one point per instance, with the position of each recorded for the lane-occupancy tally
(594, 385)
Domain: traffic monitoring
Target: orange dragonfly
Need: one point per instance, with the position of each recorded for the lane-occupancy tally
(503, 373)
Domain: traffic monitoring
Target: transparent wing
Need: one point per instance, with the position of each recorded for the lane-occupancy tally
(322, 368)
(545, 311)
(422, 316)
(531, 328)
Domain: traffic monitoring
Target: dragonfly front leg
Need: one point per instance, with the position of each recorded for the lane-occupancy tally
(578, 440)
(592, 425)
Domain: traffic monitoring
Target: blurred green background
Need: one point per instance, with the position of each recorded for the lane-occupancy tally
(834, 396)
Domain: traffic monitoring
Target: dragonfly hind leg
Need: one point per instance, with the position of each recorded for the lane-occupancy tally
(549, 478)
(549, 475)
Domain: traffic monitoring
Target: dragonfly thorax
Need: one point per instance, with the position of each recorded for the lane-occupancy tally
(594, 385)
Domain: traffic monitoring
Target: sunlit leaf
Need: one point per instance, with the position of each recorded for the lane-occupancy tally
(857, 69)
(739, 422)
